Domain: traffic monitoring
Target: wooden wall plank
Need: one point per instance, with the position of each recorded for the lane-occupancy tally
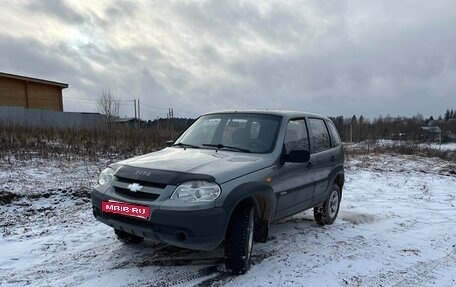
(43, 97)
(12, 92)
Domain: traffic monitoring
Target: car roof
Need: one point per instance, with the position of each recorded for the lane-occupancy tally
(283, 113)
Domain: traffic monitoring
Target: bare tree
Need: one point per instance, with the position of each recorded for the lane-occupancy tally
(108, 104)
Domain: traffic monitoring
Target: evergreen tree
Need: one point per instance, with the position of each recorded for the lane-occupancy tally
(447, 115)
(354, 121)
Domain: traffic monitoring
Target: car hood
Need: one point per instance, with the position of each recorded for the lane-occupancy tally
(222, 165)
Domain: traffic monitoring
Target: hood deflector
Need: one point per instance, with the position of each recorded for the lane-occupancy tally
(167, 177)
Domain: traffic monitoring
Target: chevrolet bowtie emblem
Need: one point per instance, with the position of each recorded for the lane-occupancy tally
(135, 187)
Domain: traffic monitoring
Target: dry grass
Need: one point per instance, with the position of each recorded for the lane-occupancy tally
(27, 142)
(402, 148)
(24, 142)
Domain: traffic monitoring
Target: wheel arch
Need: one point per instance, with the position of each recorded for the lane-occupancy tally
(259, 195)
(340, 180)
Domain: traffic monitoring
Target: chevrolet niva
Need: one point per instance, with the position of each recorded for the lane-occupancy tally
(227, 178)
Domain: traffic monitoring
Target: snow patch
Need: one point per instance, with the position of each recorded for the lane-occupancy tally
(395, 228)
(356, 218)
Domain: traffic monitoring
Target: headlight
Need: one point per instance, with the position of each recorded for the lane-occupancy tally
(106, 176)
(197, 191)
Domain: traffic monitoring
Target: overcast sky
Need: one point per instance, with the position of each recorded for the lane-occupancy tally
(329, 57)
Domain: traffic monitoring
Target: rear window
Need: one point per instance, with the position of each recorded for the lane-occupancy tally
(335, 139)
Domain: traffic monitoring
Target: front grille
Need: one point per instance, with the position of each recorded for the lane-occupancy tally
(126, 219)
(143, 183)
(136, 195)
(150, 191)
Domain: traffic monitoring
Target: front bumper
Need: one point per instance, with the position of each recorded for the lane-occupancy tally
(194, 229)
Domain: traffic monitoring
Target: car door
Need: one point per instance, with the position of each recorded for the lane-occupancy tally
(322, 155)
(296, 184)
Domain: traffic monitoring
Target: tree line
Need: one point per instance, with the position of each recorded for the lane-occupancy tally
(415, 128)
(352, 129)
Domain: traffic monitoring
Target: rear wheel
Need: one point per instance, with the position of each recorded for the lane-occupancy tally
(327, 213)
(128, 238)
(239, 240)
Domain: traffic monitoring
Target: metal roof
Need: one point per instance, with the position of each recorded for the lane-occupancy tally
(34, 80)
(433, 129)
(125, 120)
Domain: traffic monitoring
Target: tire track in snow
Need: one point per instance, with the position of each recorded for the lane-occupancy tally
(210, 276)
(186, 276)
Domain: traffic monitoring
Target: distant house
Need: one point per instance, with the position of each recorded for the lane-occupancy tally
(30, 93)
(130, 122)
(431, 133)
(433, 129)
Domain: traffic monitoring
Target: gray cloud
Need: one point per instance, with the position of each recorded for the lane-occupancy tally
(330, 57)
(55, 8)
(30, 55)
(122, 9)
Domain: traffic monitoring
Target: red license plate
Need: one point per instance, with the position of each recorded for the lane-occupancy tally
(127, 209)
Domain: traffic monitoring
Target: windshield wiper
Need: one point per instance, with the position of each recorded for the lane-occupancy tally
(220, 146)
(184, 145)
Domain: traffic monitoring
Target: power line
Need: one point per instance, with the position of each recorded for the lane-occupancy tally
(93, 100)
(124, 103)
(157, 108)
(120, 100)
(74, 98)
(78, 100)
(147, 109)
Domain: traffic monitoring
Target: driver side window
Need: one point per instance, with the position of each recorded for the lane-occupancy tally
(296, 137)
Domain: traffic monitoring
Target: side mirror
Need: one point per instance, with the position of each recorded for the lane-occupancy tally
(297, 156)
(169, 143)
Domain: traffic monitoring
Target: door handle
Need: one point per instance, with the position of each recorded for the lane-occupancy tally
(310, 165)
(333, 158)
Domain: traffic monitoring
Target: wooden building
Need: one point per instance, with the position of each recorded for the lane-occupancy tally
(30, 93)
(130, 122)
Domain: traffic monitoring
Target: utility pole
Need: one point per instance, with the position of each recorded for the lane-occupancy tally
(351, 132)
(168, 119)
(139, 111)
(134, 101)
(139, 116)
(171, 119)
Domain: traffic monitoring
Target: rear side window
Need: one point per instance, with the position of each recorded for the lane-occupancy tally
(335, 139)
(320, 135)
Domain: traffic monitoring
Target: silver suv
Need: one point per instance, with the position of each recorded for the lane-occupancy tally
(228, 177)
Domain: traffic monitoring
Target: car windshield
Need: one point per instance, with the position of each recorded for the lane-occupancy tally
(238, 132)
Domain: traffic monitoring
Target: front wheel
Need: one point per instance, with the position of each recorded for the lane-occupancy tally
(327, 213)
(239, 240)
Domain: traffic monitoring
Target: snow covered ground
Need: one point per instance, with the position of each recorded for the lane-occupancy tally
(395, 143)
(444, 146)
(395, 228)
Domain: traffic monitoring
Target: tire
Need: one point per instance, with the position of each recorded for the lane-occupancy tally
(327, 213)
(128, 238)
(239, 240)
